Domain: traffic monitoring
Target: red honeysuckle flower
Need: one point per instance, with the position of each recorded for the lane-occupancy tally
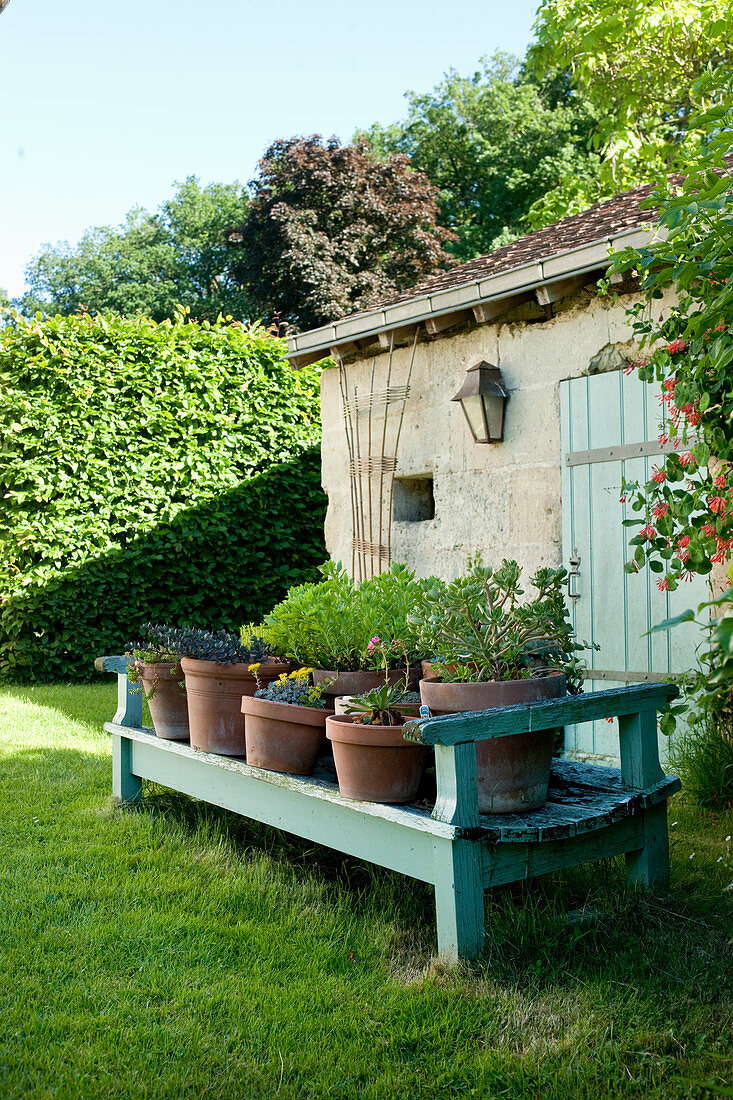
(660, 509)
(648, 532)
(719, 482)
(687, 459)
(676, 346)
(659, 475)
(717, 505)
(663, 585)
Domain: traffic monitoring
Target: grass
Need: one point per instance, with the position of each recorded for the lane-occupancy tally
(182, 952)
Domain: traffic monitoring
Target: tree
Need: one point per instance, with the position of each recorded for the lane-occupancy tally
(330, 229)
(636, 64)
(151, 263)
(494, 143)
(685, 511)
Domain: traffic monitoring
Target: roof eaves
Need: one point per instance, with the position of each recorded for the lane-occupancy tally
(571, 261)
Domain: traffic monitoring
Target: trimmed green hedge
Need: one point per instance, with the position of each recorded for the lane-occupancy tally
(148, 472)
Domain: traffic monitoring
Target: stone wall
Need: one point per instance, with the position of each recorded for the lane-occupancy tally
(501, 499)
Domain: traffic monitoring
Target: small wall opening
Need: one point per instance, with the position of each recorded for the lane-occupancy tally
(412, 499)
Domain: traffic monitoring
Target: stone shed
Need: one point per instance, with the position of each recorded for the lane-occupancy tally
(406, 480)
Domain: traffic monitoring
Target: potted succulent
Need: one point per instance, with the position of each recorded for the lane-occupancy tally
(373, 761)
(216, 666)
(334, 626)
(285, 722)
(491, 649)
(154, 661)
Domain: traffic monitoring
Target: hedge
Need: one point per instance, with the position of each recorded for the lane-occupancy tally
(164, 472)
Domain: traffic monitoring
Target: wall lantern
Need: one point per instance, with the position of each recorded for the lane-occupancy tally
(483, 398)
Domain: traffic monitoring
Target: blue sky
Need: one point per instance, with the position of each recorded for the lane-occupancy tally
(105, 104)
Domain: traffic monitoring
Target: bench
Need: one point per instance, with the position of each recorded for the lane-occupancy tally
(592, 812)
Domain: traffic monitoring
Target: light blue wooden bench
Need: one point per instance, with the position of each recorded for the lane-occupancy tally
(592, 812)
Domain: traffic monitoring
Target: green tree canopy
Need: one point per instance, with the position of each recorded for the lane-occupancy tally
(331, 228)
(493, 143)
(151, 263)
(635, 64)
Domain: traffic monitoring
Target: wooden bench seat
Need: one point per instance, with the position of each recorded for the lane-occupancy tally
(592, 812)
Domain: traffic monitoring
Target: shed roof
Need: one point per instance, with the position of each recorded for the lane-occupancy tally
(550, 257)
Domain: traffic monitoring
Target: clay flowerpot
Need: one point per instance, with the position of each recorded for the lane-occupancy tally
(164, 690)
(215, 702)
(513, 772)
(374, 763)
(283, 737)
(357, 681)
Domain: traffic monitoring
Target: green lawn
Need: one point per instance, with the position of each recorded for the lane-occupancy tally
(182, 952)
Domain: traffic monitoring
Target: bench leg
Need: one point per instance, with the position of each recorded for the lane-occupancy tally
(126, 787)
(649, 866)
(459, 899)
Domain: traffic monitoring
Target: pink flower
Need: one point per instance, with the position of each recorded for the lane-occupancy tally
(374, 642)
(659, 475)
(719, 482)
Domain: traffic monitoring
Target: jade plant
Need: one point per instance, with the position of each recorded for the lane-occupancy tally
(478, 627)
(330, 625)
(293, 687)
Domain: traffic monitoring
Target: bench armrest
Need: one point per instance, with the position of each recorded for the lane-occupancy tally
(129, 696)
(454, 737)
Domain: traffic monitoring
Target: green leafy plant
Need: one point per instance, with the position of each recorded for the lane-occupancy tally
(148, 472)
(333, 624)
(380, 706)
(478, 628)
(702, 716)
(292, 687)
(684, 509)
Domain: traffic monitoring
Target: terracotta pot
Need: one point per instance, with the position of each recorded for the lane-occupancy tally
(166, 696)
(215, 700)
(357, 681)
(374, 763)
(283, 737)
(513, 772)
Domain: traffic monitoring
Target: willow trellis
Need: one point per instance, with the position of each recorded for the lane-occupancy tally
(372, 454)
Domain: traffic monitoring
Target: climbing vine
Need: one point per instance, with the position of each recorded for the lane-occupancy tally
(684, 512)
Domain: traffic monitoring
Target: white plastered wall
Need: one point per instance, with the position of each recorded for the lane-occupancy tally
(504, 499)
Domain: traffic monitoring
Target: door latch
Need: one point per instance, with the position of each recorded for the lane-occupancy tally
(574, 575)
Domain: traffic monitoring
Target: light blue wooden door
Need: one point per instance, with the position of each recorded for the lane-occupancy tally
(610, 426)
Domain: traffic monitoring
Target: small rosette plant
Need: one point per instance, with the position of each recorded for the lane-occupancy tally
(294, 688)
(380, 706)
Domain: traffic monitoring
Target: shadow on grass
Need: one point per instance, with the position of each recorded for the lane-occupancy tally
(570, 927)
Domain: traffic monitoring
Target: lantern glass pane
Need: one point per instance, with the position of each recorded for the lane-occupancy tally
(495, 416)
(474, 410)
